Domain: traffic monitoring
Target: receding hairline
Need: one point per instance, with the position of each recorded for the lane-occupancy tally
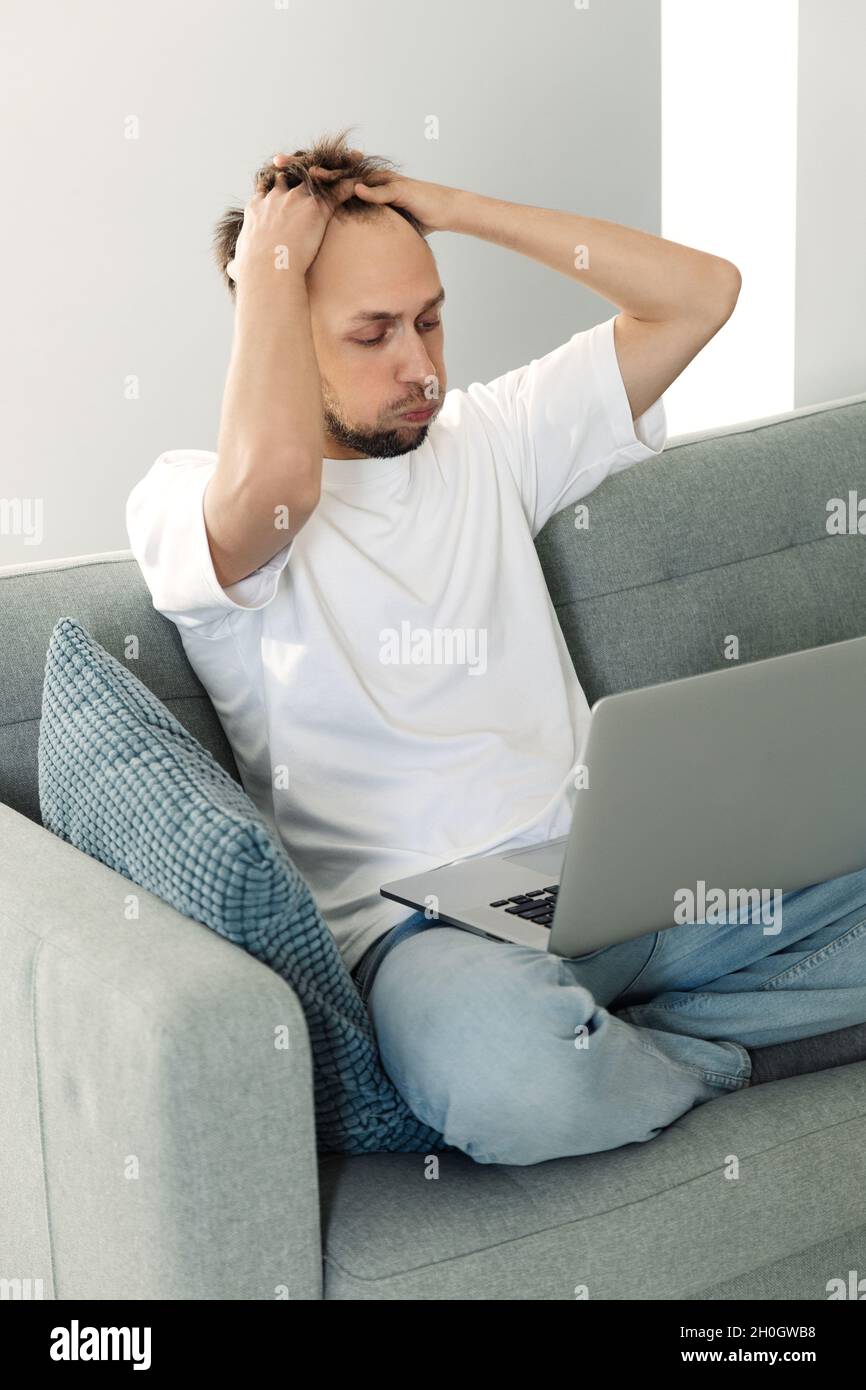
(376, 315)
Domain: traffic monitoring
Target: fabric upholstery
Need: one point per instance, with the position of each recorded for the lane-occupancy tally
(723, 535)
(661, 1220)
(108, 596)
(123, 781)
(153, 1144)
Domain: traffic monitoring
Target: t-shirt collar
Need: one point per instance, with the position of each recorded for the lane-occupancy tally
(354, 472)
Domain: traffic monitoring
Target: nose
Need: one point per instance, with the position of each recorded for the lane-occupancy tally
(417, 365)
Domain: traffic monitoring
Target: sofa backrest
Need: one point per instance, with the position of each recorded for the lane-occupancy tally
(109, 597)
(725, 534)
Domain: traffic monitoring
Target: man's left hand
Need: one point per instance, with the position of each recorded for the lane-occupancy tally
(429, 203)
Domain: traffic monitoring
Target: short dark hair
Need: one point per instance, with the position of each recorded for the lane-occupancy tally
(329, 152)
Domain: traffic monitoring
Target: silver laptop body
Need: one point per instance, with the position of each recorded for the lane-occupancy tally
(750, 780)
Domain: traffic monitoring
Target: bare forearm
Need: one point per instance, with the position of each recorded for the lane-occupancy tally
(269, 452)
(646, 276)
(272, 403)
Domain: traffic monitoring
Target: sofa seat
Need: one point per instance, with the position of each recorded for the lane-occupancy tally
(647, 1221)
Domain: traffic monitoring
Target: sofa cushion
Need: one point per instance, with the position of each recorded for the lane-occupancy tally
(667, 1219)
(123, 781)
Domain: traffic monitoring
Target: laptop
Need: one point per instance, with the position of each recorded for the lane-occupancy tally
(742, 783)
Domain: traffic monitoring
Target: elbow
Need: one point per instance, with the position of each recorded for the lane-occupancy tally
(303, 486)
(726, 291)
(310, 495)
(734, 283)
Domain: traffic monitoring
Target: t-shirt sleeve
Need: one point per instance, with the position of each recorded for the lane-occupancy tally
(167, 535)
(563, 423)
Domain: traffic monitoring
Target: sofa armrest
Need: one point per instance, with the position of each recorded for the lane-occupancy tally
(157, 1128)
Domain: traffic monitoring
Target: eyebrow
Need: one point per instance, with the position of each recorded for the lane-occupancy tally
(374, 315)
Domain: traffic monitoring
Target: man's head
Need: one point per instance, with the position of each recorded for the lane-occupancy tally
(375, 308)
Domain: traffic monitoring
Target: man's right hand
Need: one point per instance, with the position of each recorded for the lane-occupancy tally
(286, 217)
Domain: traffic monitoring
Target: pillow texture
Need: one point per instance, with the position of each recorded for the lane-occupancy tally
(124, 782)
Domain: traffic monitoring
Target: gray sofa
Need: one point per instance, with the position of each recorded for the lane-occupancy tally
(143, 1155)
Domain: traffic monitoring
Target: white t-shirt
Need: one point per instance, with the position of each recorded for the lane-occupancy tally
(368, 763)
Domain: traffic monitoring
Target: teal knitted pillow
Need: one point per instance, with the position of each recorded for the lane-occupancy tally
(123, 781)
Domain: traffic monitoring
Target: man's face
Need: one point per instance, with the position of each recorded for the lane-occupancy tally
(374, 369)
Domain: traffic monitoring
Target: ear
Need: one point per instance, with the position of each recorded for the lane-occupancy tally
(230, 270)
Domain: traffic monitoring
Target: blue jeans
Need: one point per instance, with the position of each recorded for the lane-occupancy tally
(517, 1056)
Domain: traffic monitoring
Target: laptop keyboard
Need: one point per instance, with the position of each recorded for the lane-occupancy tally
(535, 906)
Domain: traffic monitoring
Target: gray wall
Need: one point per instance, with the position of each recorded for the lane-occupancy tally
(106, 239)
(831, 201)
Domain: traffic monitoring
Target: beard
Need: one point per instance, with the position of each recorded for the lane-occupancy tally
(373, 443)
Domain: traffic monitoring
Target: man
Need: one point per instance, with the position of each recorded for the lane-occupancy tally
(354, 578)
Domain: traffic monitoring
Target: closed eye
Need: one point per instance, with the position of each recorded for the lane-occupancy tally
(426, 327)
